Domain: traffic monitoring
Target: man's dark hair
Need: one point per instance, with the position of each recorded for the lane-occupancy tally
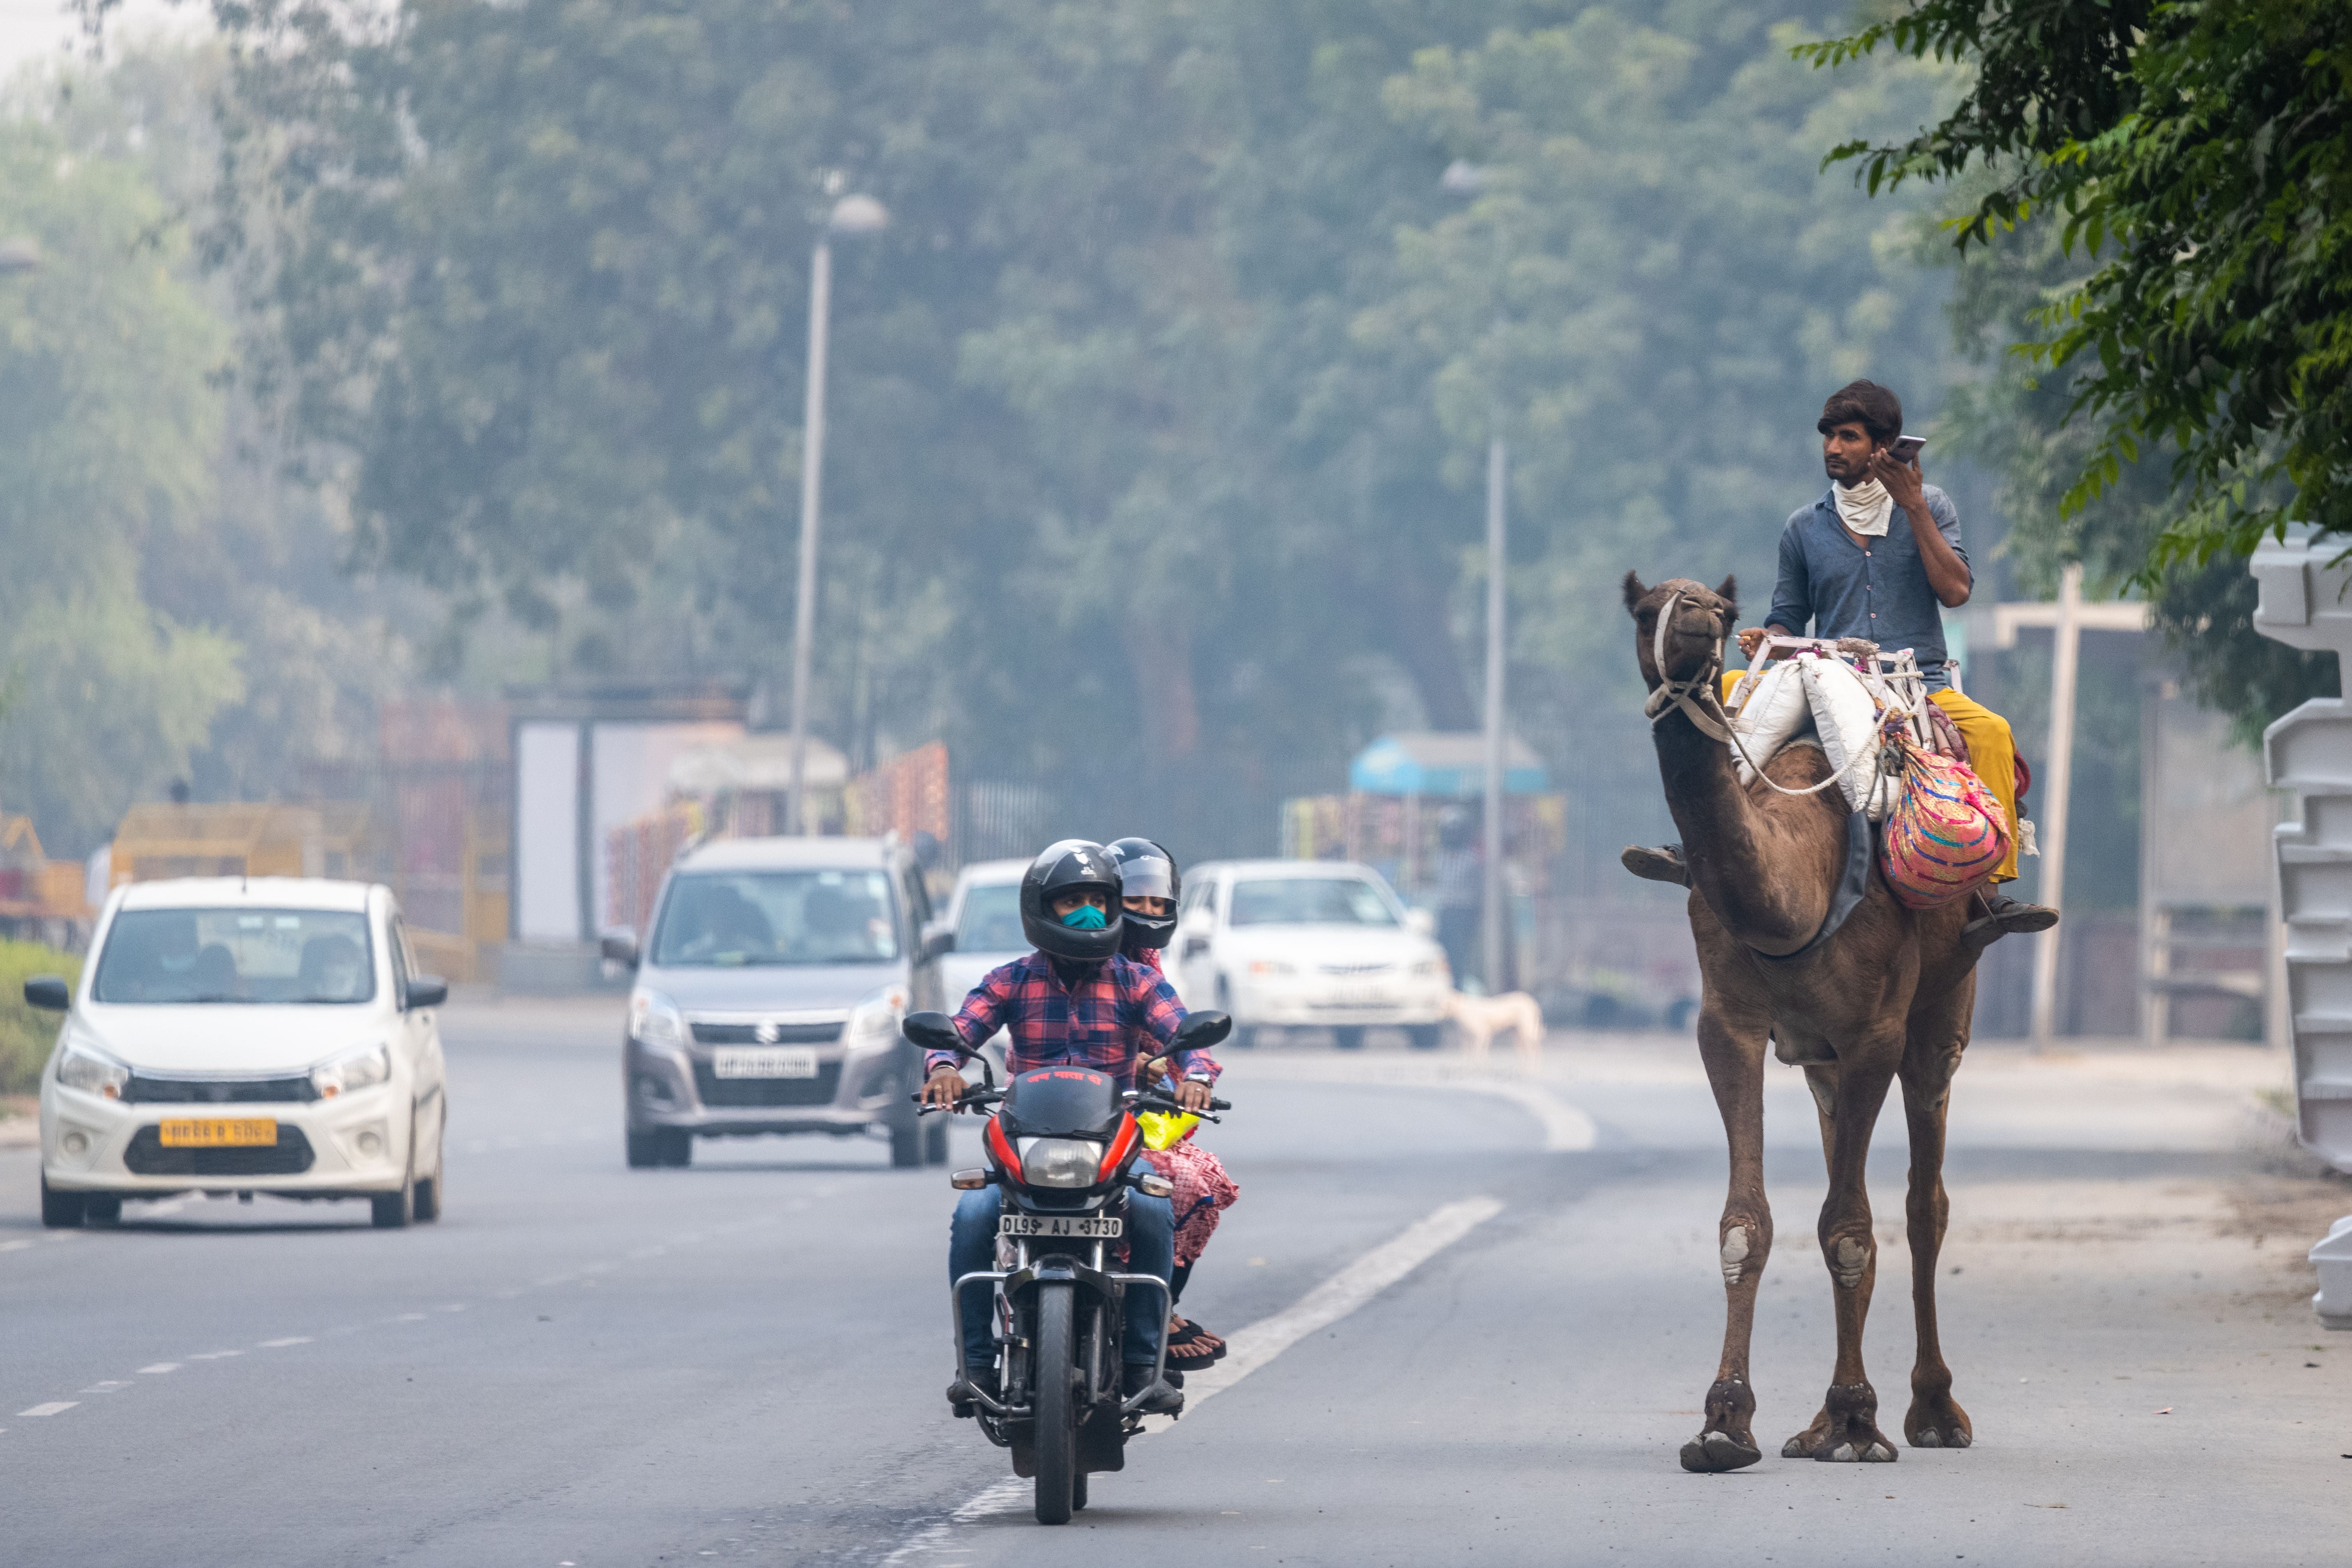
(1867, 403)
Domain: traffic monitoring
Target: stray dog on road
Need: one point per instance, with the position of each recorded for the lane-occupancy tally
(1481, 1018)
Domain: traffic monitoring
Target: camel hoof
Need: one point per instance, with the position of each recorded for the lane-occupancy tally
(1796, 1447)
(1937, 1421)
(1928, 1440)
(1871, 1453)
(1712, 1453)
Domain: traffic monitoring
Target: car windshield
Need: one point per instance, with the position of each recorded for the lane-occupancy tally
(716, 920)
(990, 920)
(236, 956)
(1310, 901)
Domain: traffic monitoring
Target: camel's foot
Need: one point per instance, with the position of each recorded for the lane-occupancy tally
(1937, 1421)
(1846, 1432)
(1726, 1443)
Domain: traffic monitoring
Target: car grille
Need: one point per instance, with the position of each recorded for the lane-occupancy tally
(146, 1156)
(741, 1091)
(778, 1034)
(218, 1091)
(1356, 968)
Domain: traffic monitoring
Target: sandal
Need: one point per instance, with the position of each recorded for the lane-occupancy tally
(1194, 1340)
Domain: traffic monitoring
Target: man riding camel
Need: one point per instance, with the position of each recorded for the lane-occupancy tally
(1874, 558)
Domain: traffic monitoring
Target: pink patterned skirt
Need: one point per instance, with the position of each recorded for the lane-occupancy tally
(1203, 1191)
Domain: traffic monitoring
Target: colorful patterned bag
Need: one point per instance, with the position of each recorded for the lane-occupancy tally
(1946, 833)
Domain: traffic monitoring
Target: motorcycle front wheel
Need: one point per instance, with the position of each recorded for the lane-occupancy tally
(1056, 1424)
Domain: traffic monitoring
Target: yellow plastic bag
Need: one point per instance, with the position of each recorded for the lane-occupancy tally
(1164, 1129)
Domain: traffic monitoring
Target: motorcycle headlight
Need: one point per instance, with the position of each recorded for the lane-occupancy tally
(1059, 1162)
(876, 1019)
(80, 1067)
(655, 1020)
(353, 1069)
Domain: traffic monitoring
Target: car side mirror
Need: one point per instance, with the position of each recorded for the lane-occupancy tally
(619, 946)
(428, 990)
(48, 991)
(1200, 1030)
(1421, 922)
(939, 942)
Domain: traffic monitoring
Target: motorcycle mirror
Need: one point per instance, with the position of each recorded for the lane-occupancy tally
(1199, 1031)
(935, 1032)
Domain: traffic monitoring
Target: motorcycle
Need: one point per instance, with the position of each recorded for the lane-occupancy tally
(1063, 1150)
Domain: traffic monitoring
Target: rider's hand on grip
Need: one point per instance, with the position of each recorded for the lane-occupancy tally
(943, 1090)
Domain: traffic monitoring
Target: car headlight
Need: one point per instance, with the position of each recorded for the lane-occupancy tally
(1059, 1162)
(655, 1020)
(353, 1069)
(1272, 966)
(876, 1019)
(80, 1067)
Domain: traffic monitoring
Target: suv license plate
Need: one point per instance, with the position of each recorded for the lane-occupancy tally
(1089, 1227)
(764, 1061)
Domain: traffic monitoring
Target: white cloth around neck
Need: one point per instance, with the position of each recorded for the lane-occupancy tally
(1865, 509)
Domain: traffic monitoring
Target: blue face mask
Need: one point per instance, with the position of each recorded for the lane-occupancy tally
(1085, 916)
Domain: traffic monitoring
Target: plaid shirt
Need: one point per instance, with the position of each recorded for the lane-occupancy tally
(1101, 1025)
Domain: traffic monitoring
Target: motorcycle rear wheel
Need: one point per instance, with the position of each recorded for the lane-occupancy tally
(1056, 1426)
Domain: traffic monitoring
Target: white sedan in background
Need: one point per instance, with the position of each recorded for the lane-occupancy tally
(1308, 944)
(261, 1036)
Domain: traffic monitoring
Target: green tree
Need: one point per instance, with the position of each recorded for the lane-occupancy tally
(109, 417)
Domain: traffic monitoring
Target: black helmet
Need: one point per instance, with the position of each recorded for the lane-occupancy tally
(1069, 867)
(1147, 870)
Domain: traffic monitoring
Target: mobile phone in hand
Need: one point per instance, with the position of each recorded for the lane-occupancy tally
(1906, 449)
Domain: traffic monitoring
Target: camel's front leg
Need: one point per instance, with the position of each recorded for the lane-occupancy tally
(1935, 1419)
(1847, 1427)
(1733, 1049)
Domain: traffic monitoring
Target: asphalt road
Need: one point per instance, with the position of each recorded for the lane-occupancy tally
(590, 1366)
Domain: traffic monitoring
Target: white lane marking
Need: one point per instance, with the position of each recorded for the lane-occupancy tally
(281, 1344)
(63, 1235)
(107, 1386)
(160, 1368)
(51, 1408)
(407, 1317)
(14, 1246)
(214, 1355)
(452, 1307)
(1248, 1349)
(1567, 1130)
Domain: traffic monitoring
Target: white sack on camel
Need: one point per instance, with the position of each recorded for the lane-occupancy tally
(1825, 701)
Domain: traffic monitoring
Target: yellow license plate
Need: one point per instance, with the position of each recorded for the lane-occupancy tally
(221, 1133)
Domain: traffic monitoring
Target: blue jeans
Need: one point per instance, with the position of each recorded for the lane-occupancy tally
(1150, 1250)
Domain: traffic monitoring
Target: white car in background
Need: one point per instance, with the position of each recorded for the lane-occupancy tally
(267, 1034)
(1308, 944)
(984, 913)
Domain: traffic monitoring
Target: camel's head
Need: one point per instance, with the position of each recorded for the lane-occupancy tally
(1704, 617)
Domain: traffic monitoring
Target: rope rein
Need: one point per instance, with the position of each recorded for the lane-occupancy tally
(1677, 694)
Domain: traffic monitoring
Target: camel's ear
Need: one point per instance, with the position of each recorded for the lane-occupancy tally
(1634, 594)
(1728, 592)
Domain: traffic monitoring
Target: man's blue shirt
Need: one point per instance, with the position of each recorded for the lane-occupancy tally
(1881, 592)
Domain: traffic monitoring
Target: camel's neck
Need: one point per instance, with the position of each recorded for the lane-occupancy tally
(1765, 883)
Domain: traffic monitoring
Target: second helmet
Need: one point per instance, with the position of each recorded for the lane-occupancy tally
(1072, 865)
(1147, 871)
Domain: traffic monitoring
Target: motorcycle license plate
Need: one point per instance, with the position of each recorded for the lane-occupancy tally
(764, 1061)
(1086, 1227)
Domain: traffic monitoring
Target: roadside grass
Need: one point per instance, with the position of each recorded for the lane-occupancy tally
(27, 1033)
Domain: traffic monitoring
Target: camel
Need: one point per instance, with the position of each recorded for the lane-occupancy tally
(1887, 995)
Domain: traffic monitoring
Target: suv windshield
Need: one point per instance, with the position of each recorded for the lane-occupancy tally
(990, 920)
(733, 919)
(1310, 901)
(236, 956)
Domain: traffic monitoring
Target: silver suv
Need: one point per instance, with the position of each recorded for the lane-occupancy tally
(769, 994)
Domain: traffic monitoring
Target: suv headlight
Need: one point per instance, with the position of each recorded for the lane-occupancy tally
(1059, 1162)
(353, 1069)
(655, 1020)
(80, 1067)
(875, 1019)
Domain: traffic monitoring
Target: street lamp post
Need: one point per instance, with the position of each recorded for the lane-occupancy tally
(1463, 178)
(852, 214)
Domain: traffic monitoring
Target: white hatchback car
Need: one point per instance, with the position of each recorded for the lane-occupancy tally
(262, 1036)
(1308, 944)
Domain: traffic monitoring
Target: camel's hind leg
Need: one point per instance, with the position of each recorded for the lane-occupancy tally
(1732, 1049)
(1939, 1034)
(1847, 1428)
